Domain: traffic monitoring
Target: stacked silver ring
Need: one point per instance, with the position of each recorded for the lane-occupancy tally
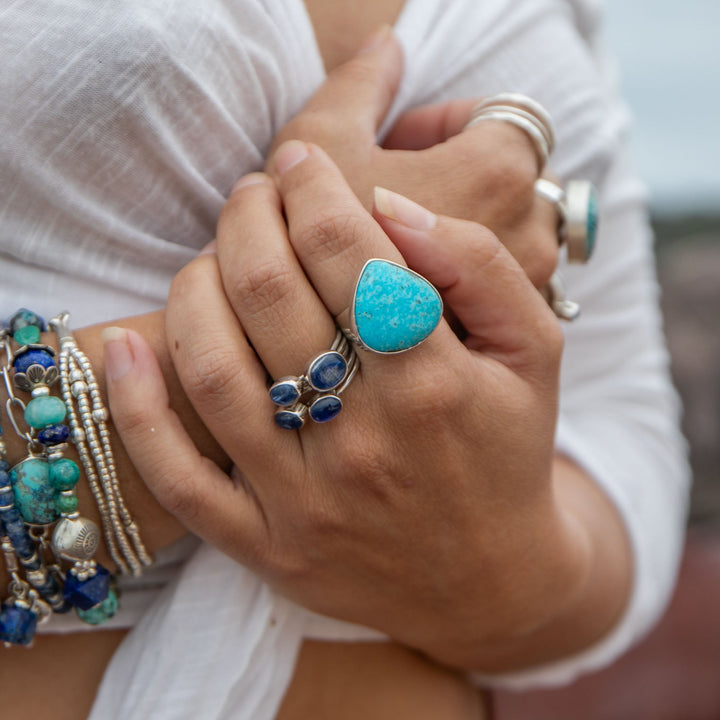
(577, 207)
(523, 112)
(316, 393)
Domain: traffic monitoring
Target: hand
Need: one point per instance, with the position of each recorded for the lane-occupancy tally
(485, 173)
(426, 509)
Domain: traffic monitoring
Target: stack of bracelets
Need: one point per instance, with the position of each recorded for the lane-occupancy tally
(48, 547)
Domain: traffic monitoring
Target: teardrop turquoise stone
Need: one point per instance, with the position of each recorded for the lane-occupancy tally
(394, 308)
(35, 497)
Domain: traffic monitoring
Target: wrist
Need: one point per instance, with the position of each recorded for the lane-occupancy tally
(552, 597)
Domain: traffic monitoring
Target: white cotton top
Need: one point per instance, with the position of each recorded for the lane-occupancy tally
(124, 125)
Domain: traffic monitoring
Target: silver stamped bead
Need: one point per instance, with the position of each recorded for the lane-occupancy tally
(76, 539)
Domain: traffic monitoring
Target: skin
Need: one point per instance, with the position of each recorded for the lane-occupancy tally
(320, 662)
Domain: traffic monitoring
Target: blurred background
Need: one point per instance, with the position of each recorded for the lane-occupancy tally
(669, 69)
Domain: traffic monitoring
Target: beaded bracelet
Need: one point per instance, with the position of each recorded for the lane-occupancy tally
(43, 494)
(92, 439)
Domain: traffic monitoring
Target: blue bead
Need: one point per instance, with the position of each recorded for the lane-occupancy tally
(85, 594)
(4, 465)
(23, 547)
(327, 371)
(285, 392)
(394, 308)
(17, 625)
(14, 528)
(325, 408)
(54, 435)
(33, 357)
(24, 317)
(288, 420)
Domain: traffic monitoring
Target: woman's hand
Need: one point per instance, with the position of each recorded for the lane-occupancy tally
(485, 173)
(427, 509)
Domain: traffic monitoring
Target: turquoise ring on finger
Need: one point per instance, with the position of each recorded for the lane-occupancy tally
(578, 209)
(316, 393)
(393, 308)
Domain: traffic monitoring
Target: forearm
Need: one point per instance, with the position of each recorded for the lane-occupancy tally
(158, 527)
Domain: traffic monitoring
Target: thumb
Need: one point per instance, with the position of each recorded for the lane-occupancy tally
(363, 88)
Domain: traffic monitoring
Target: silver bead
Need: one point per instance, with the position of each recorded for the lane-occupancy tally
(36, 577)
(78, 435)
(78, 388)
(100, 415)
(76, 376)
(76, 539)
(40, 391)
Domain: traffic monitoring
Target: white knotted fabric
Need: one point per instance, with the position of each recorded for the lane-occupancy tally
(124, 126)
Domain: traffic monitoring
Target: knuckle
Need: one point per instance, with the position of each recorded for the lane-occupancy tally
(261, 286)
(330, 234)
(539, 257)
(546, 259)
(178, 494)
(208, 377)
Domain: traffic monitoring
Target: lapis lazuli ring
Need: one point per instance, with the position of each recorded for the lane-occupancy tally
(393, 308)
(578, 209)
(316, 393)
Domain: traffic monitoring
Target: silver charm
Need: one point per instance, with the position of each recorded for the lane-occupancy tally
(76, 539)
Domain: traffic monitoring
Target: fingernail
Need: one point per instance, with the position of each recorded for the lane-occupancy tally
(256, 178)
(403, 210)
(118, 357)
(376, 39)
(209, 249)
(288, 155)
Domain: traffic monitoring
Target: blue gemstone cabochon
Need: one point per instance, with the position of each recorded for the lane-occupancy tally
(325, 408)
(327, 371)
(394, 308)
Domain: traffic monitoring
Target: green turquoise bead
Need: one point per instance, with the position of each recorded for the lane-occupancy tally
(27, 335)
(35, 497)
(592, 222)
(101, 612)
(45, 410)
(64, 474)
(67, 504)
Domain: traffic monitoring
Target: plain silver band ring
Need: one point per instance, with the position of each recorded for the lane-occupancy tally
(530, 128)
(524, 102)
(541, 126)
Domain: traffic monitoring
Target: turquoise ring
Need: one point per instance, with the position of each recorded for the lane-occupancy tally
(393, 308)
(581, 220)
(578, 209)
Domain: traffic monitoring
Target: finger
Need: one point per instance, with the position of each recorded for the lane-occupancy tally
(332, 234)
(279, 310)
(481, 282)
(359, 93)
(538, 252)
(429, 125)
(218, 369)
(188, 485)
